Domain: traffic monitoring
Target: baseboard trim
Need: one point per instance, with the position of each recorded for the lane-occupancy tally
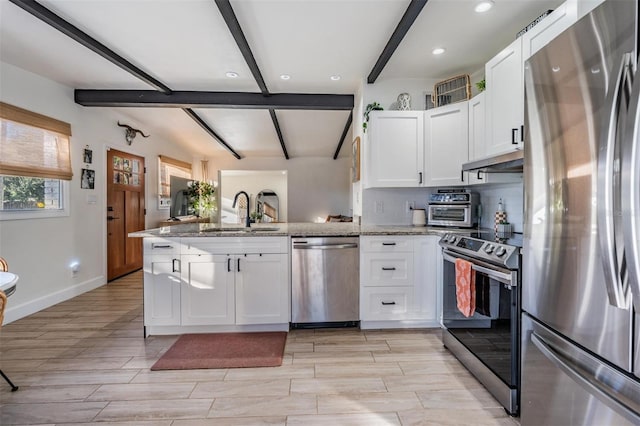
(14, 313)
(369, 325)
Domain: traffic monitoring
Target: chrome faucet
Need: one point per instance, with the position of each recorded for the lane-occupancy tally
(235, 200)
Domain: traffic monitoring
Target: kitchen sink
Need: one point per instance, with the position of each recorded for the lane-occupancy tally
(240, 230)
(264, 229)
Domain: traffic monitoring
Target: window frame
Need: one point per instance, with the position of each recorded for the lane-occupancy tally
(63, 175)
(63, 211)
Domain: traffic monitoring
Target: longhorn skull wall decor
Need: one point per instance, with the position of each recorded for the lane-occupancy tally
(131, 133)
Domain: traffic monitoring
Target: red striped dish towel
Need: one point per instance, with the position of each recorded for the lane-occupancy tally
(465, 287)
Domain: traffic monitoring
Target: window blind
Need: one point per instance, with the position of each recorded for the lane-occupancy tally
(171, 167)
(33, 145)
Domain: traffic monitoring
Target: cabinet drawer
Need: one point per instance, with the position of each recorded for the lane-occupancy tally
(234, 245)
(153, 246)
(386, 244)
(386, 303)
(384, 269)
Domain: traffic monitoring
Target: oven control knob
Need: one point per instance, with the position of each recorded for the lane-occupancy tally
(489, 248)
(452, 239)
(501, 251)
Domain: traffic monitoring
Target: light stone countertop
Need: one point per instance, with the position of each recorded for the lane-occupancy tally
(289, 229)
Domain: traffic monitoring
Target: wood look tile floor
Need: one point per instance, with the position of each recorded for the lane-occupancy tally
(85, 361)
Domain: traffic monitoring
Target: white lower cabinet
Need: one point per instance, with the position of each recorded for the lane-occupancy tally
(208, 290)
(161, 281)
(262, 289)
(161, 290)
(398, 282)
(200, 286)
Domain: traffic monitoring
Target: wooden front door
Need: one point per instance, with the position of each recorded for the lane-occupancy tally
(125, 212)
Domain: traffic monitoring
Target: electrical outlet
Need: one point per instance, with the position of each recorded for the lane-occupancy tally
(379, 207)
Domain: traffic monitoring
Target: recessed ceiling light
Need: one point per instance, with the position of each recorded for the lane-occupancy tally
(483, 6)
(438, 51)
(232, 74)
(555, 69)
(285, 77)
(335, 77)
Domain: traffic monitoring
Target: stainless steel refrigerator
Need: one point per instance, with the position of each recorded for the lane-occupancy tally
(581, 255)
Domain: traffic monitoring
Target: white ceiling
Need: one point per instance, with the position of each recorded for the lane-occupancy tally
(187, 45)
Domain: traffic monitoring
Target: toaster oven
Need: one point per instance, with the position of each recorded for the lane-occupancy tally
(453, 208)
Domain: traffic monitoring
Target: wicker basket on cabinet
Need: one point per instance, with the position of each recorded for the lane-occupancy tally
(452, 90)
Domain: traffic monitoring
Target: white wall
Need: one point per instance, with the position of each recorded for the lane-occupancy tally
(252, 182)
(317, 186)
(512, 196)
(386, 91)
(40, 250)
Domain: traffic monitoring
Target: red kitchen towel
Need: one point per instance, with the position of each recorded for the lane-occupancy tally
(465, 287)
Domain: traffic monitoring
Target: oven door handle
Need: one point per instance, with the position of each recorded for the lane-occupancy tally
(509, 278)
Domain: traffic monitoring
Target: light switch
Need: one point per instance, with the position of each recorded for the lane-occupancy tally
(92, 199)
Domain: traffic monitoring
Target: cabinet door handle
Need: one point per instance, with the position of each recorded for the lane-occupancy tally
(388, 269)
(461, 175)
(420, 177)
(238, 264)
(388, 303)
(388, 244)
(161, 246)
(522, 133)
(228, 264)
(175, 265)
(479, 177)
(513, 136)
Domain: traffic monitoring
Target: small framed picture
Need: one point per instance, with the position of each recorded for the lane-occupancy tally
(88, 156)
(88, 179)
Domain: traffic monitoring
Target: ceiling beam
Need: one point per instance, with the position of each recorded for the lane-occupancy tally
(191, 113)
(231, 20)
(272, 112)
(47, 16)
(410, 15)
(236, 31)
(344, 135)
(228, 100)
(44, 14)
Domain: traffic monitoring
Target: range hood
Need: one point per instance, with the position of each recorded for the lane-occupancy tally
(510, 162)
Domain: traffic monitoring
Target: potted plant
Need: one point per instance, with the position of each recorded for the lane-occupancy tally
(256, 217)
(202, 198)
(374, 106)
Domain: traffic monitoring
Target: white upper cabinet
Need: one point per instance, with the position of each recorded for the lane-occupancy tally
(504, 76)
(586, 6)
(504, 101)
(551, 26)
(394, 149)
(477, 137)
(446, 144)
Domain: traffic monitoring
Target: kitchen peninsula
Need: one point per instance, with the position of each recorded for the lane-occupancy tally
(202, 277)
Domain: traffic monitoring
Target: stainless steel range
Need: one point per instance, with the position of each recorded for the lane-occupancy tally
(487, 342)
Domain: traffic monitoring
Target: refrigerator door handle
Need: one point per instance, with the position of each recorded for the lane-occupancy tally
(611, 387)
(631, 193)
(614, 270)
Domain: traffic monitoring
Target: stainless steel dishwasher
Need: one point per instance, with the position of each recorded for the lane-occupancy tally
(325, 282)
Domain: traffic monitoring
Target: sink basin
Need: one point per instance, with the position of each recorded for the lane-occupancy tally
(224, 230)
(238, 230)
(264, 229)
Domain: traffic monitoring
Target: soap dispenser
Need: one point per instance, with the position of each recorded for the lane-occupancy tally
(501, 215)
